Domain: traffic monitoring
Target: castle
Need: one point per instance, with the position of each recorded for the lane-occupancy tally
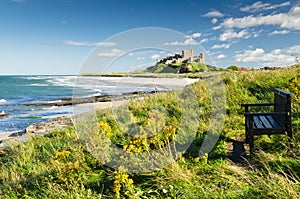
(185, 57)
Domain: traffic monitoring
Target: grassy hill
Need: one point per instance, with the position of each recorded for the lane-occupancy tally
(59, 165)
(180, 68)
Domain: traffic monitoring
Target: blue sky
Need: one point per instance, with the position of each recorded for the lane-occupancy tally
(58, 36)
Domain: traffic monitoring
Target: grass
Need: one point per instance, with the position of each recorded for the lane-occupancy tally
(60, 165)
(29, 117)
(148, 75)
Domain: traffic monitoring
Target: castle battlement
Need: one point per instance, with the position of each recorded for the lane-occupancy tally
(185, 57)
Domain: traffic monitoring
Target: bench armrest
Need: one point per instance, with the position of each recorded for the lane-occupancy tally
(265, 114)
(259, 105)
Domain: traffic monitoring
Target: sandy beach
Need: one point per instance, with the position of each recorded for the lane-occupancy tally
(80, 105)
(57, 122)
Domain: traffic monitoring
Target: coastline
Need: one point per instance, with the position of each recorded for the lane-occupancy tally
(81, 105)
(63, 121)
(35, 129)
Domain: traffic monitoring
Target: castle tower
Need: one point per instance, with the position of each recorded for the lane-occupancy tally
(187, 54)
(202, 58)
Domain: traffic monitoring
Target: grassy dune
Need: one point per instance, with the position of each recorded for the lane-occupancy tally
(60, 165)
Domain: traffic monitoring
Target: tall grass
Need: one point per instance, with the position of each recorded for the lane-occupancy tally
(62, 165)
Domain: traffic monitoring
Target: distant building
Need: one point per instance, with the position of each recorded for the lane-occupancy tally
(242, 69)
(185, 57)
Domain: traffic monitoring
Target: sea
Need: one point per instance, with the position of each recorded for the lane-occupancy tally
(17, 91)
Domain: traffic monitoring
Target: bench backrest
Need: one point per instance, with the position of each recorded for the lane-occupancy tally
(282, 103)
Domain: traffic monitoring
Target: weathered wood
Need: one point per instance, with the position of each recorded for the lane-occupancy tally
(257, 123)
(265, 122)
(273, 121)
(268, 123)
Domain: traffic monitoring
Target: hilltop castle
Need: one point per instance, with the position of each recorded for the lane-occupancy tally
(185, 57)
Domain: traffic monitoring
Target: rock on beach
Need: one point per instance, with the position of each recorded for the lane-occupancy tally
(46, 127)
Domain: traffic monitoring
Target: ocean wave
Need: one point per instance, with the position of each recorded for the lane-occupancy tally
(62, 81)
(54, 101)
(36, 77)
(50, 108)
(2, 101)
(38, 84)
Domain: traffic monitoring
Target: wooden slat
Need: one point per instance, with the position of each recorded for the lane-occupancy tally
(268, 131)
(276, 122)
(257, 122)
(254, 126)
(265, 122)
(273, 122)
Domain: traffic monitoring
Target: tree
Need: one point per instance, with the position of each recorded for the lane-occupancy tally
(233, 67)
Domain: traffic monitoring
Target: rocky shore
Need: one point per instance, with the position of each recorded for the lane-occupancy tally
(2, 115)
(93, 99)
(42, 128)
(37, 129)
(46, 127)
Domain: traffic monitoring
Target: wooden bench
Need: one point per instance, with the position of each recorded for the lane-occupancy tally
(267, 123)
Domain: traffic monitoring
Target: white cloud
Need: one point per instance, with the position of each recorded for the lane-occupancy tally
(276, 57)
(279, 32)
(260, 6)
(189, 41)
(214, 20)
(250, 55)
(112, 53)
(221, 56)
(214, 13)
(217, 27)
(218, 46)
(194, 35)
(140, 58)
(276, 51)
(203, 40)
(293, 50)
(289, 20)
(230, 34)
(86, 43)
(256, 34)
(155, 56)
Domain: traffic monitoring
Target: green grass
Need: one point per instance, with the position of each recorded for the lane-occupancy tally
(29, 117)
(149, 75)
(59, 165)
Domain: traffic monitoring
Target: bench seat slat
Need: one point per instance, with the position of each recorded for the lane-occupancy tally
(265, 122)
(273, 122)
(278, 121)
(257, 122)
(267, 131)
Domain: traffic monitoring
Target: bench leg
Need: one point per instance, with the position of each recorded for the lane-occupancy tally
(247, 123)
(251, 143)
(290, 134)
(247, 136)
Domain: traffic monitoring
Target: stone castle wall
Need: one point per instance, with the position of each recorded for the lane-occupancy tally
(186, 56)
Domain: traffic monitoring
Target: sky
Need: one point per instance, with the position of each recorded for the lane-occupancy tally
(61, 36)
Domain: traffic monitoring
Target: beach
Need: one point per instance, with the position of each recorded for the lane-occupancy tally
(61, 121)
(36, 105)
(25, 100)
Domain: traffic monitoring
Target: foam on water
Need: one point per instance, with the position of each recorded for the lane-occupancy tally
(35, 77)
(2, 101)
(15, 91)
(38, 84)
(54, 101)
